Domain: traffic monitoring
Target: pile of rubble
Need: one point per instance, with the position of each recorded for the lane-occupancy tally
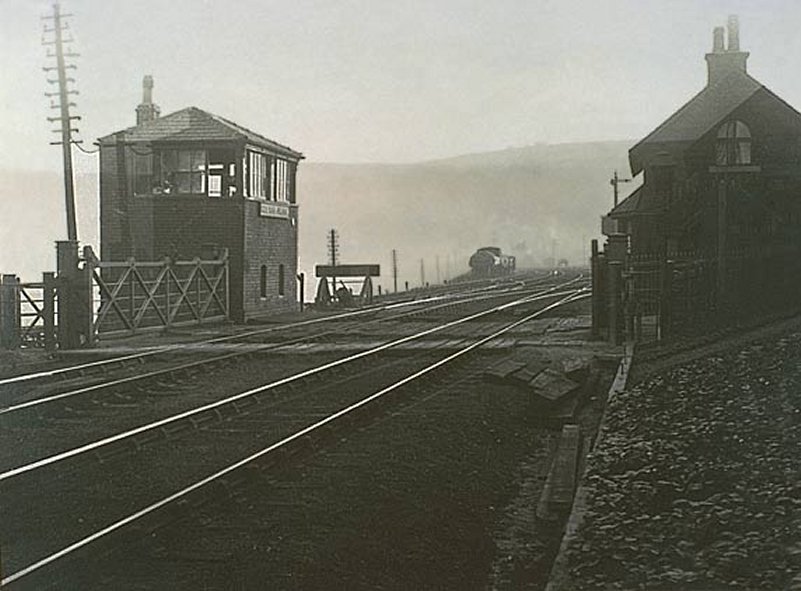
(697, 481)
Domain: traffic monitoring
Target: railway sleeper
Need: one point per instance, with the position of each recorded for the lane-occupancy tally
(115, 450)
(243, 404)
(209, 416)
(148, 437)
(176, 428)
(227, 411)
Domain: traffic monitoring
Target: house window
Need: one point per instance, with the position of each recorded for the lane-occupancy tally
(733, 145)
(183, 171)
(263, 282)
(280, 280)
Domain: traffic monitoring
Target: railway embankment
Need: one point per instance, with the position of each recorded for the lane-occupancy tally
(695, 480)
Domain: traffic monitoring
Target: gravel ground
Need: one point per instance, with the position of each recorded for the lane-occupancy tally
(696, 485)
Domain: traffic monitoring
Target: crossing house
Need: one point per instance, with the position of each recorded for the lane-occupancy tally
(724, 171)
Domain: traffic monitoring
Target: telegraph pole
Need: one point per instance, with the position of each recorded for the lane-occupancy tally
(422, 273)
(333, 252)
(437, 262)
(615, 182)
(395, 270)
(66, 129)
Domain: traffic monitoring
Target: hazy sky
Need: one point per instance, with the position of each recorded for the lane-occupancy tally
(379, 80)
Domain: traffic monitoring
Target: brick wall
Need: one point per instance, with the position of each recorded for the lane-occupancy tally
(113, 245)
(185, 227)
(269, 242)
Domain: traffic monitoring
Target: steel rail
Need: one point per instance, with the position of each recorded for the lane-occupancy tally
(168, 348)
(574, 296)
(266, 347)
(52, 459)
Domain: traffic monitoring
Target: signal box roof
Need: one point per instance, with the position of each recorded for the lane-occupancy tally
(196, 125)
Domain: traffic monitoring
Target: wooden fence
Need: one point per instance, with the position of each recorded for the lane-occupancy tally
(657, 296)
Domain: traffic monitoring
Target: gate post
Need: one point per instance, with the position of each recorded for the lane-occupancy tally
(9, 312)
(302, 284)
(666, 301)
(69, 319)
(597, 295)
(49, 310)
(168, 295)
(86, 302)
(615, 301)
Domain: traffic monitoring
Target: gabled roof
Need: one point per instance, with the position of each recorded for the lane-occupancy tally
(700, 114)
(639, 203)
(192, 125)
(629, 205)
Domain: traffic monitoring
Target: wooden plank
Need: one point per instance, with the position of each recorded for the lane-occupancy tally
(528, 373)
(552, 385)
(501, 371)
(557, 494)
(363, 270)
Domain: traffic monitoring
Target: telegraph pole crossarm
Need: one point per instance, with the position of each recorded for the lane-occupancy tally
(616, 180)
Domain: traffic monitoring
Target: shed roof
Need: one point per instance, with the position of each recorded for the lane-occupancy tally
(639, 203)
(192, 125)
(700, 114)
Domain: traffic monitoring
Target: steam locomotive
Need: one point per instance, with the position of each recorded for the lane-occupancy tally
(489, 261)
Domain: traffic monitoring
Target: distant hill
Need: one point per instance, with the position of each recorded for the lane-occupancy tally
(525, 200)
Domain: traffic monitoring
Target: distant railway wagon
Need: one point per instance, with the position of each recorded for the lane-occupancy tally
(489, 261)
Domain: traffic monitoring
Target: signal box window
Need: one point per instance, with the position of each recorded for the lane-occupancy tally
(259, 175)
(183, 171)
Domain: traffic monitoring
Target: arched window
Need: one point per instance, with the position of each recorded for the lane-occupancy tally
(263, 282)
(733, 144)
(280, 280)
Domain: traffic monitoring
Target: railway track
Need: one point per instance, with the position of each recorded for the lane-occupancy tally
(279, 412)
(21, 395)
(399, 309)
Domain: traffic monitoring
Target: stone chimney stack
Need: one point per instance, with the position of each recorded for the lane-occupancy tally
(734, 33)
(719, 39)
(724, 61)
(147, 110)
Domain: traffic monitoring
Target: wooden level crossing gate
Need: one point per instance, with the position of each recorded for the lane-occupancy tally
(91, 298)
(27, 312)
(134, 295)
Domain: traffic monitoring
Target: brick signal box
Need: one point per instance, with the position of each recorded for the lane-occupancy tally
(190, 184)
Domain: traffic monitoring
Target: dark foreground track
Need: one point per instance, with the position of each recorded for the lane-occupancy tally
(91, 502)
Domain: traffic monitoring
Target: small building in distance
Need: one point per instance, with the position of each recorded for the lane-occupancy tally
(724, 171)
(190, 184)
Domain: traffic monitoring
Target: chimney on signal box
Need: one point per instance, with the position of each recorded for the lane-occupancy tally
(725, 60)
(147, 110)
